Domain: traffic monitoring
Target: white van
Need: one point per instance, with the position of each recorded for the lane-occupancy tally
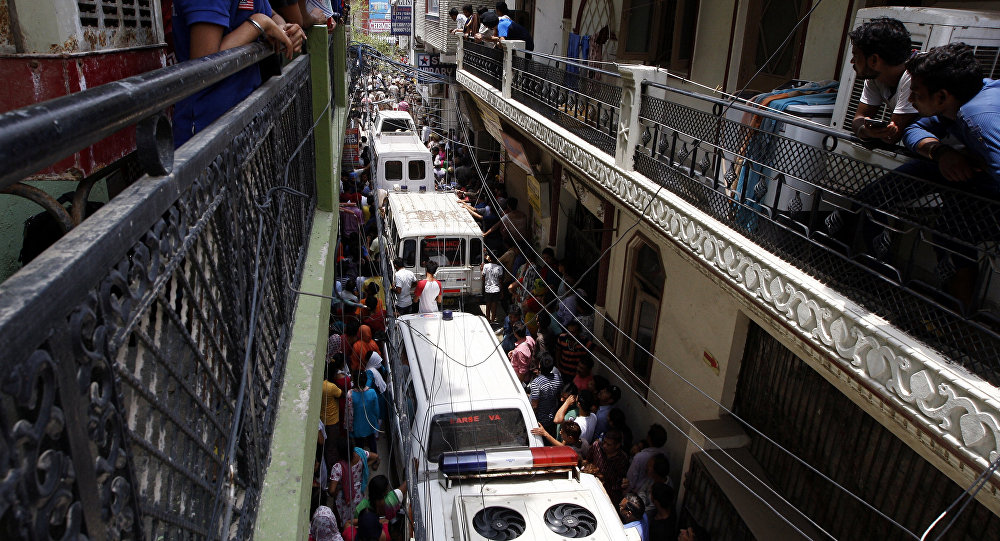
(481, 474)
(461, 392)
(401, 160)
(434, 227)
(394, 122)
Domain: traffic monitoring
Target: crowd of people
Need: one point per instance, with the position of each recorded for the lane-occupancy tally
(544, 324)
(490, 27)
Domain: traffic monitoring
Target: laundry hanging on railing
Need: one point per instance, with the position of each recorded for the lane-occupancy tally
(760, 147)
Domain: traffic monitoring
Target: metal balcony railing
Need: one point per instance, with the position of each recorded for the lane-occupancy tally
(584, 100)
(130, 381)
(484, 62)
(923, 255)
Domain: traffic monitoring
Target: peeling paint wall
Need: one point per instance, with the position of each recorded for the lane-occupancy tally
(58, 27)
(6, 39)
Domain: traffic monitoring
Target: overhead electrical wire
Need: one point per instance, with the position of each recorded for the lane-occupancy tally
(524, 242)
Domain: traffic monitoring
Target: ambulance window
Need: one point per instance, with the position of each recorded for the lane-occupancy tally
(418, 170)
(394, 170)
(411, 403)
(446, 252)
(475, 252)
(409, 252)
(481, 429)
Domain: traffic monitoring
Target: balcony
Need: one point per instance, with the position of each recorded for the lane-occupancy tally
(148, 350)
(857, 259)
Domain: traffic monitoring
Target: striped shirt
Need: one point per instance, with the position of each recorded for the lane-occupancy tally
(545, 389)
(570, 352)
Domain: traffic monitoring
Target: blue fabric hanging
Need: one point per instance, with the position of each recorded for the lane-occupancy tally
(573, 51)
(764, 147)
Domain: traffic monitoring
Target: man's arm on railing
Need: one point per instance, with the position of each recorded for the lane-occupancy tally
(924, 138)
(209, 38)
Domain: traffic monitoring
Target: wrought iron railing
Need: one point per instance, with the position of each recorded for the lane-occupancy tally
(125, 343)
(484, 62)
(584, 100)
(923, 255)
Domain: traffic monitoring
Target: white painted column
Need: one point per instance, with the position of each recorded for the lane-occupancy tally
(509, 47)
(628, 120)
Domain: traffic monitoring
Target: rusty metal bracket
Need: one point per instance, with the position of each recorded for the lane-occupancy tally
(44, 200)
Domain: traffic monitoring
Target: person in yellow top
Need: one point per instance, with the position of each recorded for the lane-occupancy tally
(329, 413)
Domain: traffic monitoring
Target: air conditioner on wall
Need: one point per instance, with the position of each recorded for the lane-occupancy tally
(929, 28)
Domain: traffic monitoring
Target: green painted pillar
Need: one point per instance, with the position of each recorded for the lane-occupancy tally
(319, 67)
(283, 512)
(340, 66)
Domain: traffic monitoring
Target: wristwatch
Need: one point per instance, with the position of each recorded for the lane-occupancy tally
(935, 152)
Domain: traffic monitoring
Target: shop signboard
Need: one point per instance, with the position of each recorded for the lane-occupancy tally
(431, 63)
(535, 201)
(352, 151)
(379, 16)
(515, 151)
(402, 18)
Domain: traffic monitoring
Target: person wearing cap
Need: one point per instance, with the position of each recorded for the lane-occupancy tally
(488, 29)
(511, 31)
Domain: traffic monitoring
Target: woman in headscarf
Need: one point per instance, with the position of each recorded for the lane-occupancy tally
(361, 347)
(324, 525)
(349, 478)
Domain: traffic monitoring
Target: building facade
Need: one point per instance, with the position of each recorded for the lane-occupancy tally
(721, 305)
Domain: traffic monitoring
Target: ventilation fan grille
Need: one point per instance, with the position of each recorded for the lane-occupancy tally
(498, 523)
(570, 520)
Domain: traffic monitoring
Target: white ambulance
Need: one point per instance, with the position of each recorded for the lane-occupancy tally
(433, 226)
(480, 474)
(401, 160)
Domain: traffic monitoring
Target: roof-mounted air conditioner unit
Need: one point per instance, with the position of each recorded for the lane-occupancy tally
(929, 28)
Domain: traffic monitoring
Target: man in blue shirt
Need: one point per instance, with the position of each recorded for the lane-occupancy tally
(503, 12)
(505, 28)
(949, 91)
(204, 27)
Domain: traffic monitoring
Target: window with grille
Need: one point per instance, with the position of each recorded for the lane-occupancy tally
(116, 13)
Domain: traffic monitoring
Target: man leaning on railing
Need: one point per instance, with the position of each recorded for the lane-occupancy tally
(958, 105)
(879, 51)
(204, 27)
(948, 89)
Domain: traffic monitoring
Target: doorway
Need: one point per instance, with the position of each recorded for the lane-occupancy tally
(768, 23)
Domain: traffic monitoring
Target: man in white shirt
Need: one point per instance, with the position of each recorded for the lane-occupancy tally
(402, 281)
(428, 291)
(459, 18)
(880, 49)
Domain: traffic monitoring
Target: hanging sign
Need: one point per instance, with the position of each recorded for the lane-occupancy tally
(402, 20)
